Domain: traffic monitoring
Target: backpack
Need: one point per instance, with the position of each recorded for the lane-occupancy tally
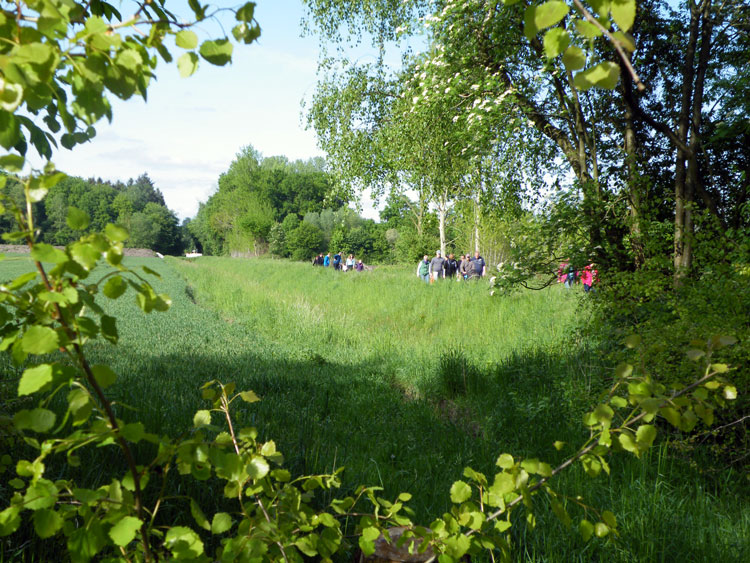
(424, 269)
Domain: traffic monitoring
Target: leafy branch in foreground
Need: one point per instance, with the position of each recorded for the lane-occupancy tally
(267, 514)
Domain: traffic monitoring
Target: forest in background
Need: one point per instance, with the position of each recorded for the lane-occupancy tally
(138, 205)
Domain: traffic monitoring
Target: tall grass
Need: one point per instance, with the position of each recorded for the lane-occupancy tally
(404, 384)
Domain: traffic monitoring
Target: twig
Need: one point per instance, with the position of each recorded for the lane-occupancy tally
(615, 42)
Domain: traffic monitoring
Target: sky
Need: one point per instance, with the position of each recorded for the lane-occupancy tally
(191, 129)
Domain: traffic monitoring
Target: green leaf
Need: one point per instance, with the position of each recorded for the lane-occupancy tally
(257, 468)
(672, 416)
(623, 12)
(556, 40)
(574, 58)
(38, 420)
(116, 233)
(246, 12)
(109, 328)
(618, 402)
(199, 516)
(604, 75)
(221, 522)
(77, 220)
(124, 531)
(503, 484)
(601, 529)
(633, 341)
(9, 520)
(187, 64)
(217, 52)
(730, 392)
(10, 133)
(202, 418)
(42, 494)
(720, 368)
(85, 254)
(601, 7)
(249, 397)
(627, 442)
(43, 252)
(609, 519)
(85, 543)
(505, 461)
(623, 370)
(625, 39)
(460, 491)
(21, 280)
(10, 96)
(587, 29)
(645, 436)
(183, 543)
(694, 355)
(186, 39)
(586, 529)
(34, 378)
(104, 375)
(114, 287)
(591, 465)
(40, 340)
(133, 432)
(541, 17)
(457, 546)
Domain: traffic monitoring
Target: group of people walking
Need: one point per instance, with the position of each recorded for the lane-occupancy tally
(338, 262)
(467, 267)
(569, 276)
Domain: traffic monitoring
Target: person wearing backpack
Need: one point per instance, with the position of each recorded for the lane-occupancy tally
(423, 269)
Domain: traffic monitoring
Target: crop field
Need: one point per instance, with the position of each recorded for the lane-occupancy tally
(404, 385)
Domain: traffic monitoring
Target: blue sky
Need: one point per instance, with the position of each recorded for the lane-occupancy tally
(191, 129)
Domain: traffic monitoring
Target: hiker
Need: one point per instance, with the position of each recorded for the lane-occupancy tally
(588, 276)
(360, 266)
(350, 262)
(423, 269)
(463, 266)
(451, 266)
(562, 273)
(470, 269)
(570, 278)
(337, 261)
(327, 260)
(437, 266)
(480, 268)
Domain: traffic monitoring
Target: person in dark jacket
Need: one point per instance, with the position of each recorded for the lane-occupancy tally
(451, 266)
(480, 267)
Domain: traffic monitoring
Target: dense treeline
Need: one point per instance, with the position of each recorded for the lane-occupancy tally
(136, 204)
(269, 204)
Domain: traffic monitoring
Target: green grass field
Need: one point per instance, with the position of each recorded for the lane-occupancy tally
(404, 385)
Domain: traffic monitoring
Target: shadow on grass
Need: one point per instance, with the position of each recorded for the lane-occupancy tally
(324, 415)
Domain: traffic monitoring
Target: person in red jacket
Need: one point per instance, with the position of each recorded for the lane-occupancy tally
(588, 277)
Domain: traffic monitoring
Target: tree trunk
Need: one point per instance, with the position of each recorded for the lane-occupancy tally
(683, 191)
(476, 224)
(636, 195)
(442, 210)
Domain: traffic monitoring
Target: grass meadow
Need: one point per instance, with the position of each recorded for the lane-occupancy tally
(404, 385)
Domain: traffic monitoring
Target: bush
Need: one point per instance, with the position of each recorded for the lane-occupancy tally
(305, 241)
